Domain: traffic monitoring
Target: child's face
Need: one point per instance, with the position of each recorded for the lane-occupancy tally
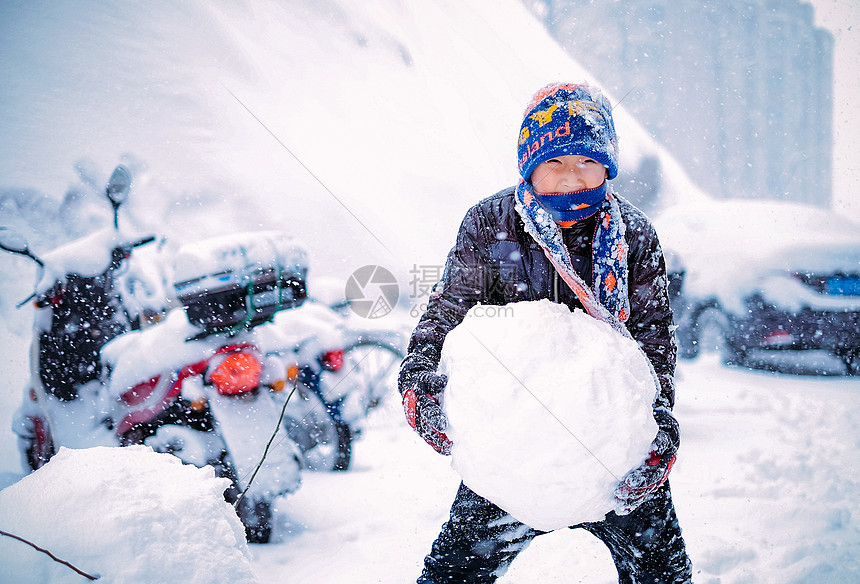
(567, 174)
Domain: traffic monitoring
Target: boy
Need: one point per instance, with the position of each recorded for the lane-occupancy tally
(561, 234)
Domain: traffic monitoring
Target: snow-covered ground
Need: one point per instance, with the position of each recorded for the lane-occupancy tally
(766, 490)
(765, 487)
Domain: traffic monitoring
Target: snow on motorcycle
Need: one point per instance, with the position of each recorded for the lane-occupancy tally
(81, 302)
(232, 379)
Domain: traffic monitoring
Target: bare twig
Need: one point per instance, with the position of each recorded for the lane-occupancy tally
(50, 555)
(268, 444)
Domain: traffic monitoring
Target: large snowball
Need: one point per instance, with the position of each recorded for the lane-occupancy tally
(124, 514)
(548, 409)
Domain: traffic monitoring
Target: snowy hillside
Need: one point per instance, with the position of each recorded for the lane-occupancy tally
(382, 120)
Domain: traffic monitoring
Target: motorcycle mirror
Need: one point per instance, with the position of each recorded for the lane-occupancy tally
(14, 242)
(117, 189)
(118, 185)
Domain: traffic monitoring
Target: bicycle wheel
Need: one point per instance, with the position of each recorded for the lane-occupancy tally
(370, 370)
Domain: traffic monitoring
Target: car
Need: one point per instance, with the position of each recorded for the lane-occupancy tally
(764, 283)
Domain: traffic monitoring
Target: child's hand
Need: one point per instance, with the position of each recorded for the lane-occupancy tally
(420, 387)
(424, 413)
(641, 482)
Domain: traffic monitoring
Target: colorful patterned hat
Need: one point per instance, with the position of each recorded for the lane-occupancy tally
(567, 119)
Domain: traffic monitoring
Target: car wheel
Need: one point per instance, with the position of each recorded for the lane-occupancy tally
(685, 335)
(713, 328)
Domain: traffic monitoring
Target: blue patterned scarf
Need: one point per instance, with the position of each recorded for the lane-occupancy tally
(608, 301)
(609, 260)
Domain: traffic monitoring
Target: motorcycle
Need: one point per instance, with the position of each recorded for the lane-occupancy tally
(79, 307)
(232, 379)
(225, 363)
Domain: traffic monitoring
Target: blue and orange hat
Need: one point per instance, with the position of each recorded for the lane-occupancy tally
(567, 119)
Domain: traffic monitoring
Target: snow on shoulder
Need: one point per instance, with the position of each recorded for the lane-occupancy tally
(548, 409)
(123, 515)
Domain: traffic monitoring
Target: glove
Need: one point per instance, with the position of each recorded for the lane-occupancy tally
(420, 388)
(641, 482)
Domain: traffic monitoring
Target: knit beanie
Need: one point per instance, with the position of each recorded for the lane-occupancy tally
(567, 119)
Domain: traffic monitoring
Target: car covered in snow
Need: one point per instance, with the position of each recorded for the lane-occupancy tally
(765, 283)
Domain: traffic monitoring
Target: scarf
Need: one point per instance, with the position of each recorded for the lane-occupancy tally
(608, 301)
(568, 208)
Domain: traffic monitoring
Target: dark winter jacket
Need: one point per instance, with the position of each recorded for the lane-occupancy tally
(494, 261)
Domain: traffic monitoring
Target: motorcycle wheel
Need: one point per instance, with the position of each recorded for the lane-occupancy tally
(201, 448)
(344, 447)
(257, 519)
(325, 443)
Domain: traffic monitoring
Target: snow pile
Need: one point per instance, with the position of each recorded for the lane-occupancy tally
(548, 409)
(125, 515)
